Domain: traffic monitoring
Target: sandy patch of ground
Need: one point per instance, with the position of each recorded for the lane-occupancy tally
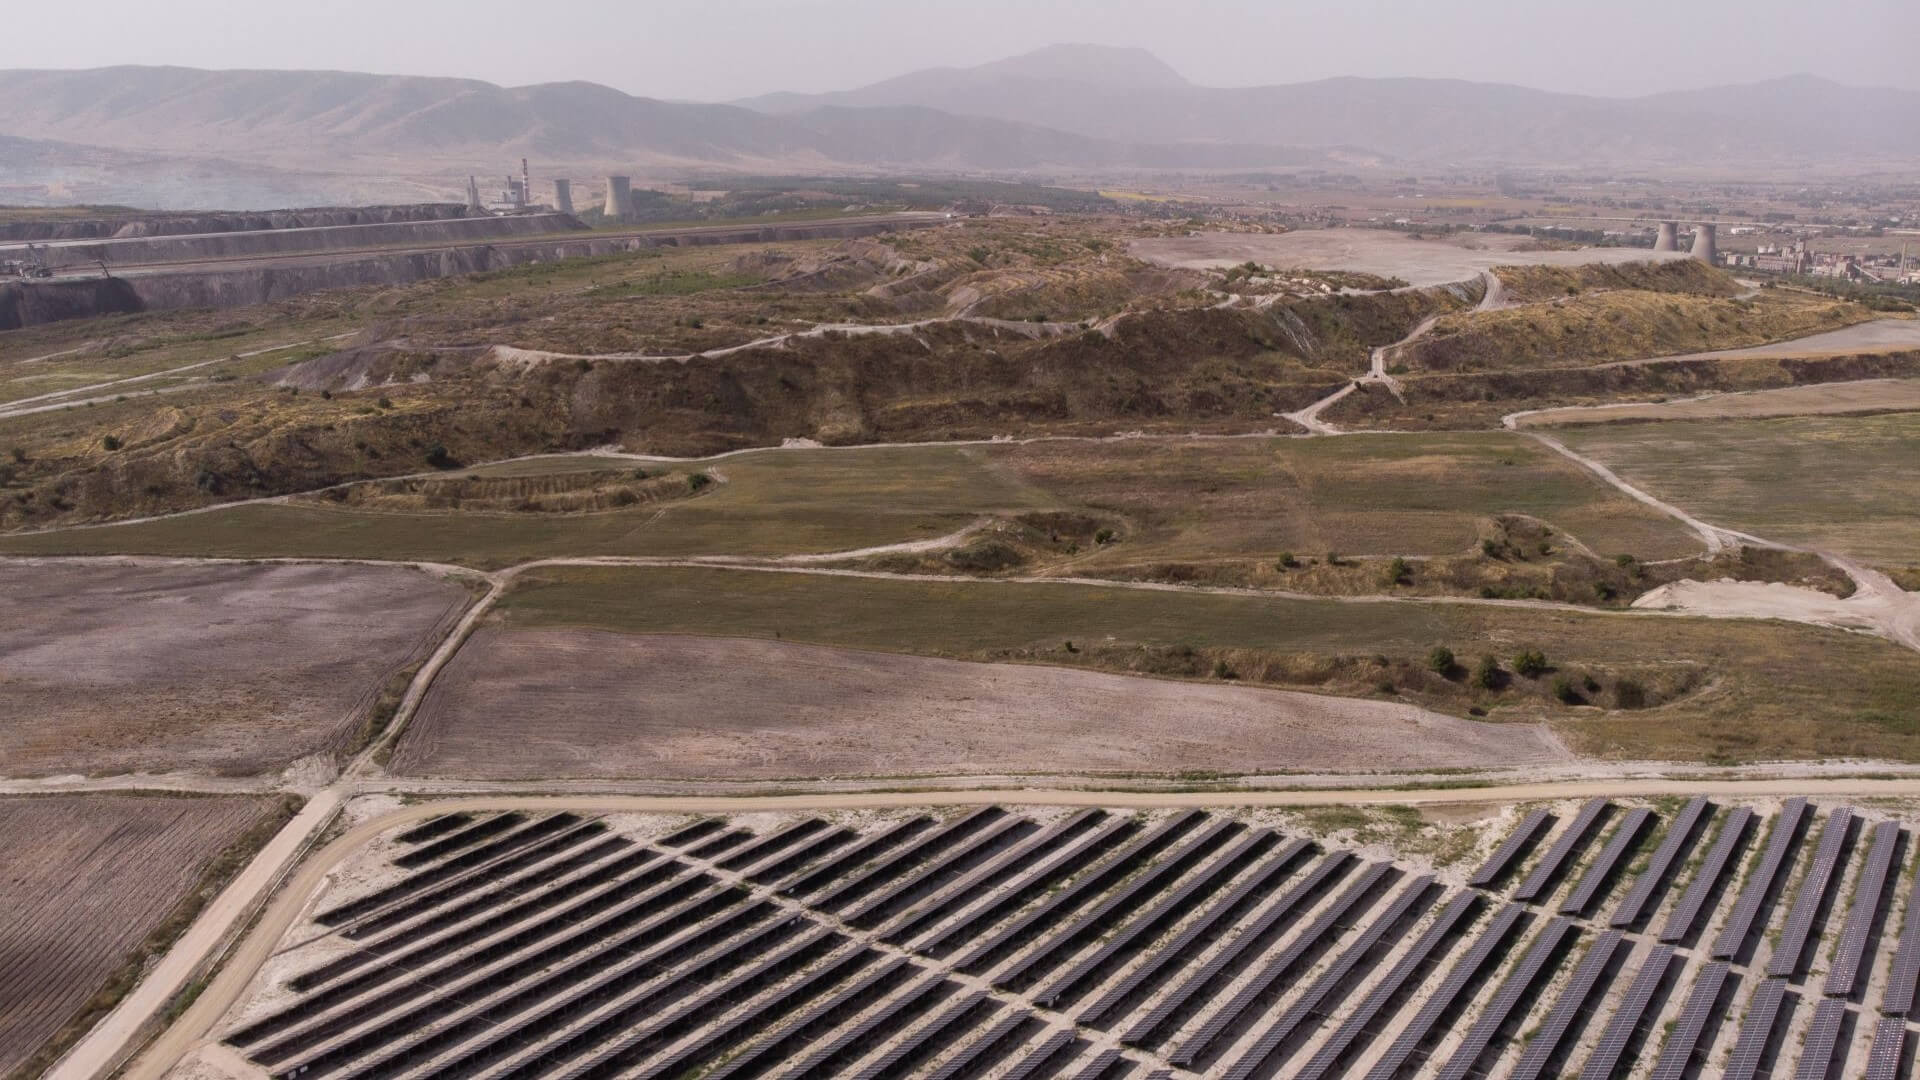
(1821, 399)
(1880, 335)
(1372, 251)
(1878, 606)
(559, 703)
(125, 666)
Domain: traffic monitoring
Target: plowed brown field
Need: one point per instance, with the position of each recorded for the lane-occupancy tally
(83, 880)
(573, 703)
(117, 667)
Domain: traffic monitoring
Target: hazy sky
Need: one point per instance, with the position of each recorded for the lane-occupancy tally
(722, 49)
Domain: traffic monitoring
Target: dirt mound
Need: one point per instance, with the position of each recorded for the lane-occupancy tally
(677, 707)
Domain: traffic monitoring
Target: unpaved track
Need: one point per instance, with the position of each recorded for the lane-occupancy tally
(245, 960)
(62, 399)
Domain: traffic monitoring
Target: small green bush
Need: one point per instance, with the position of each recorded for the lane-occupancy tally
(1568, 694)
(1487, 674)
(1440, 660)
(1399, 572)
(1104, 536)
(1532, 663)
(110, 443)
(698, 481)
(1286, 561)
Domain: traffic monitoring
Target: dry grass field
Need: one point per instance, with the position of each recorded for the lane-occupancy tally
(667, 707)
(1377, 495)
(115, 667)
(1707, 689)
(84, 880)
(1864, 396)
(1845, 484)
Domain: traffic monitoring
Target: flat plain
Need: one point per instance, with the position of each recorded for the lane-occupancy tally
(229, 668)
(682, 708)
(1715, 688)
(1840, 483)
(73, 909)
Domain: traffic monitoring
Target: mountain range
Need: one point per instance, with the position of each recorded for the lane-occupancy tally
(1064, 108)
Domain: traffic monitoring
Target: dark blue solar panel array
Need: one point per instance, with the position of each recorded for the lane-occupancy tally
(1763, 1013)
(1563, 849)
(1679, 837)
(1847, 966)
(1823, 1034)
(1318, 999)
(1820, 879)
(1684, 1042)
(1349, 905)
(1786, 831)
(1629, 1017)
(1379, 1003)
(1586, 981)
(1897, 998)
(1526, 974)
(1600, 875)
(1501, 860)
(1889, 1046)
(1686, 914)
(1447, 995)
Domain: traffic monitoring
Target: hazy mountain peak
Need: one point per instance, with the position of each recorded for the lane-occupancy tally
(1094, 65)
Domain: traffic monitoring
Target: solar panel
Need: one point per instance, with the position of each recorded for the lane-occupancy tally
(1292, 902)
(1544, 950)
(1679, 837)
(939, 870)
(1814, 887)
(828, 1056)
(1823, 1034)
(1121, 900)
(1568, 1007)
(1089, 884)
(1170, 907)
(1028, 856)
(1175, 953)
(889, 1063)
(1686, 914)
(1843, 973)
(983, 1047)
(1048, 1049)
(1556, 858)
(1098, 1067)
(782, 1042)
(1779, 852)
(1349, 905)
(1504, 923)
(773, 842)
(1897, 998)
(1763, 1012)
(1501, 860)
(910, 856)
(1889, 1045)
(1319, 997)
(1684, 1042)
(1594, 883)
(1326, 1060)
(892, 836)
(937, 940)
(693, 832)
(1620, 1030)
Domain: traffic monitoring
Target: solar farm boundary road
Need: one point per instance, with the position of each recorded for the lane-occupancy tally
(103, 1047)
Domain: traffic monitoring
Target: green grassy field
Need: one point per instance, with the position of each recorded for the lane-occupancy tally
(1844, 484)
(1758, 690)
(1357, 495)
(775, 503)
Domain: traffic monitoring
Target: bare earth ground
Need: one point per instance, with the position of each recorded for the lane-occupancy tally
(1433, 261)
(1880, 334)
(1822, 399)
(612, 705)
(119, 666)
(72, 909)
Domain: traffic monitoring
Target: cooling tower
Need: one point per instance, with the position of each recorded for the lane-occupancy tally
(619, 197)
(1703, 246)
(1669, 238)
(563, 196)
(473, 195)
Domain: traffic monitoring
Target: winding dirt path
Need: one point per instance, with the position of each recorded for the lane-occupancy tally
(62, 399)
